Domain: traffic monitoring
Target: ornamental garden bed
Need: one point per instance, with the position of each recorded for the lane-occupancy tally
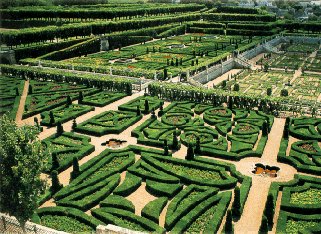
(63, 114)
(102, 98)
(66, 147)
(300, 205)
(305, 153)
(305, 88)
(10, 93)
(188, 188)
(184, 123)
(158, 55)
(108, 122)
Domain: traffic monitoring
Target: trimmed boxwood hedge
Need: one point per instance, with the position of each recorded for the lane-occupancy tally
(154, 103)
(153, 209)
(224, 180)
(129, 185)
(132, 221)
(117, 122)
(193, 196)
(146, 171)
(221, 201)
(90, 196)
(102, 98)
(159, 189)
(76, 146)
(64, 114)
(306, 130)
(118, 202)
(70, 212)
(297, 211)
(88, 178)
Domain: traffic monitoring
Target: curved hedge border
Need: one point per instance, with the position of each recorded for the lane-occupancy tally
(116, 217)
(175, 211)
(118, 202)
(307, 131)
(225, 181)
(70, 212)
(76, 149)
(90, 196)
(129, 185)
(159, 189)
(154, 208)
(117, 126)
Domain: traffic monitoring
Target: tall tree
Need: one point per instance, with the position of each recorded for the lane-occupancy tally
(22, 159)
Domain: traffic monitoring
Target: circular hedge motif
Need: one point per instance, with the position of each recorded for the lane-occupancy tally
(245, 129)
(191, 137)
(219, 111)
(176, 119)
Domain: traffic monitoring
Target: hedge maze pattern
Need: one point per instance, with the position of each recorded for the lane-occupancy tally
(10, 92)
(191, 189)
(302, 136)
(231, 134)
(300, 205)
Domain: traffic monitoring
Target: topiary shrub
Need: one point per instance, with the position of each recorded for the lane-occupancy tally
(229, 229)
(236, 207)
(236, 87)
(198, 146)
(269, 91)
(51, 118)
(269, 210)
(138, 112)
(75, 168)
(60, 129)
(55, 184)
(284, 93)
(74, 125)
(69, 101)
(54, 161)
(175, 141)
(264, 226)
(190, 152)
(146, 105)
(80, 97)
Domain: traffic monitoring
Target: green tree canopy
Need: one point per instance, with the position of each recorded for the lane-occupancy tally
(22, 158)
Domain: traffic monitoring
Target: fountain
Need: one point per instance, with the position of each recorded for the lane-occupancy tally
(113, 143)
(265, 170)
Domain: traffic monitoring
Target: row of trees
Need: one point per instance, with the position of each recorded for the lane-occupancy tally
(239, 17)
(94, 13)
(91, 80)
(216, 97)
(30, 35)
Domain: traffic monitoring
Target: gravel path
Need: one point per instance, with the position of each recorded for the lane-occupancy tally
(22, 104)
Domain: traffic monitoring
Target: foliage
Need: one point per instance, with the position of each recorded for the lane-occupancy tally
(22, 160)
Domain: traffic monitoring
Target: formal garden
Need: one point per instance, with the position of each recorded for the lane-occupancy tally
(109, 117)
(305, 87)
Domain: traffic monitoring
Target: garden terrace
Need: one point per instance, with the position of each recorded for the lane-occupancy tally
(197, 50)
(305, 88)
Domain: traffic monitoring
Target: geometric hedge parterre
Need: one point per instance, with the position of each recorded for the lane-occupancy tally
(197, 192)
